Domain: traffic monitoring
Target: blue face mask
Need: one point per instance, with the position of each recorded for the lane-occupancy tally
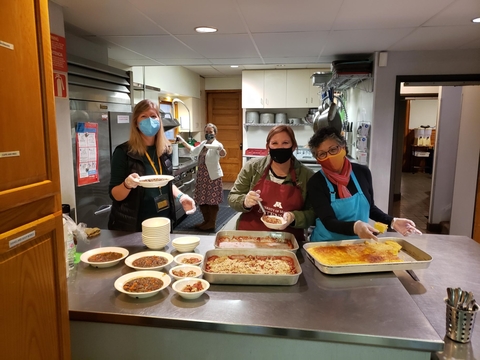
(149, 126)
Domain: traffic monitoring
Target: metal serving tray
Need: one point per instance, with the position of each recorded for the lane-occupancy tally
(280, 237)
(413, 258)
(251, 279)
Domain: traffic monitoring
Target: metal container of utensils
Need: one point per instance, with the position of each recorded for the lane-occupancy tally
(461, 313)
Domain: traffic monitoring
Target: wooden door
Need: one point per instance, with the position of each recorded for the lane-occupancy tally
(33, 301)
(224, 109)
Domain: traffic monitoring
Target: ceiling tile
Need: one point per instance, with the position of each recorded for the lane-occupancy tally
(221, 46)
(461, 12)
(437, 38)
(296, 44)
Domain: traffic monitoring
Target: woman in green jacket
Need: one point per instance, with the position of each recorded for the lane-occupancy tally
(279, 181)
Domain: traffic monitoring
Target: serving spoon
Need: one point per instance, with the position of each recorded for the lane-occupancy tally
(261, 207)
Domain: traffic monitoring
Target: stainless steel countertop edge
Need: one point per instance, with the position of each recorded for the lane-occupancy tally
(300, 334)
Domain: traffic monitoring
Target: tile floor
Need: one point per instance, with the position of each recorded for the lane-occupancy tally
(415, 199)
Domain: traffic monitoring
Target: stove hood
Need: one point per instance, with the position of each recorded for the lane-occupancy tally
(168, 121)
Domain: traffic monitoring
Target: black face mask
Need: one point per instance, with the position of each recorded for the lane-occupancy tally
(209, 137)
(281, 155)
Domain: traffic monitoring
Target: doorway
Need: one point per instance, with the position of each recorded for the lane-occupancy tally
(224, 109)
(443, 178)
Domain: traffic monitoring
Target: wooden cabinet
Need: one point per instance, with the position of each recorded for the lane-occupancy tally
(275, 90)
(253, 83)
(33, 301)
(278, 89)
(300, 91)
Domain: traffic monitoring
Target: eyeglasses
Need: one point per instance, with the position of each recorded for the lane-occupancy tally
(332, 151)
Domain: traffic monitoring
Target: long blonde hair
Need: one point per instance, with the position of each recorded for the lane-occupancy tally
(136, 143)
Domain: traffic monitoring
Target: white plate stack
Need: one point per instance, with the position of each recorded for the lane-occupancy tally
(156, 232)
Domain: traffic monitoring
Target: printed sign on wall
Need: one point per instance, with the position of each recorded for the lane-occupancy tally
(87, 153)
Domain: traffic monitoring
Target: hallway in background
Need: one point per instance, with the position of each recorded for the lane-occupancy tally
(415, 199)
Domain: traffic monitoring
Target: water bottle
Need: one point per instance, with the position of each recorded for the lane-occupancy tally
(69, 246)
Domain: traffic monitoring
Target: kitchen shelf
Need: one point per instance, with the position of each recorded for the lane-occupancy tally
(247, 125)
(344, 81)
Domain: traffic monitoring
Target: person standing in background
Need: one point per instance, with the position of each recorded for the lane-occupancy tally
(208, 187)
(279, 181)
(147, 152)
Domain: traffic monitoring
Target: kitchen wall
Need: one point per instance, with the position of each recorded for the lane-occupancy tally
(423, 112)
(409, 63)
(62, 113)
(225, 83)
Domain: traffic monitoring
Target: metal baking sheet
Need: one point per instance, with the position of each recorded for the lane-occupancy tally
(251, 279)
(280, 237)
(413, 258)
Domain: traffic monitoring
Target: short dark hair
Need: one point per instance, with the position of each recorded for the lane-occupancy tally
(323, 134)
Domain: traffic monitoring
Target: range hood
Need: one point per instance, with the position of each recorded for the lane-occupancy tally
(168, 121)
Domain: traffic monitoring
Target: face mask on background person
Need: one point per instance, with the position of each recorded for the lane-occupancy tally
(334, 162)
(281, 155)
(149, 126)
(209, 137)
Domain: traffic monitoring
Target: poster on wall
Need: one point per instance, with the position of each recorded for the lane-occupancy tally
(87, 153)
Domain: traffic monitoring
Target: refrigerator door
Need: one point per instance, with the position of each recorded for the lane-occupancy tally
(119, 128)
(93, 202)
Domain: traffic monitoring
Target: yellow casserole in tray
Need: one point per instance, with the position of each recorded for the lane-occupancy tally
(360, 256)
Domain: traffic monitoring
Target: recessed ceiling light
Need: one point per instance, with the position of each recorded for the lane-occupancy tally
(205, 29)
(476, 20)
(234, 66)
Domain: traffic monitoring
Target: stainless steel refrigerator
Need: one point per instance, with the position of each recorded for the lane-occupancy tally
(92, 200)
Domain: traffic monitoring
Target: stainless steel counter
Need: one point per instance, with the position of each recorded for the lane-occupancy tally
(367, 309)
(184, 164)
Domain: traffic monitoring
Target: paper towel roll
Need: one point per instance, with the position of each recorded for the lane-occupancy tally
(175, 155)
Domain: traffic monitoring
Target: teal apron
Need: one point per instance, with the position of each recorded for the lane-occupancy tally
(353, 208)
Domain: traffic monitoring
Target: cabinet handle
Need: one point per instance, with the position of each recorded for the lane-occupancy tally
(261, 101)
(306, 100)
(266, 101)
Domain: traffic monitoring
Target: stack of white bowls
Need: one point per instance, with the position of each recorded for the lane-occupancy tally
(156, 232)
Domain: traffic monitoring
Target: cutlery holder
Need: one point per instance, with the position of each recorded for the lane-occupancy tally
(459, 324)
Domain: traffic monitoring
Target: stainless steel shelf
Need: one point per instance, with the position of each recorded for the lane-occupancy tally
(247, 125)
(346, 81)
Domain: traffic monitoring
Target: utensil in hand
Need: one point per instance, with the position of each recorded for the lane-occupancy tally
(261, 207)
(450, 296)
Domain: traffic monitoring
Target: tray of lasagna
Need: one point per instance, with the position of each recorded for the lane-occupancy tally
(240, 239)
(361, 256)
(251, 267)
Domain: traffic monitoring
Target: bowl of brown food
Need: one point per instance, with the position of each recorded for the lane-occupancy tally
(153, 181)
(142, 284)
(149, 260)
(273, 222)
(190, 288)
(183, 271)
(104, 257)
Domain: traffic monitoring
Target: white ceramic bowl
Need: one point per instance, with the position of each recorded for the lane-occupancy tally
(155, 243)
(271, 225)
(155, 222)
(179, 285)
(84, 257)
(153, 181)
(211, 146)
(122, 280)
(186, 243)
(129, 260)
(179, 258)
(185, 269)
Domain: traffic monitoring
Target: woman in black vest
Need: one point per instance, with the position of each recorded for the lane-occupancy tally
(147, 152)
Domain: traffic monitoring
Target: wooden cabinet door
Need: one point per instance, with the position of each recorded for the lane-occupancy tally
(298, 88)
(32, 297)
(252, 89)
(33, 301)
(275, 90)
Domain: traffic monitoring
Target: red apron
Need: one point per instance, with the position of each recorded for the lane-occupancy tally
(277, 199)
